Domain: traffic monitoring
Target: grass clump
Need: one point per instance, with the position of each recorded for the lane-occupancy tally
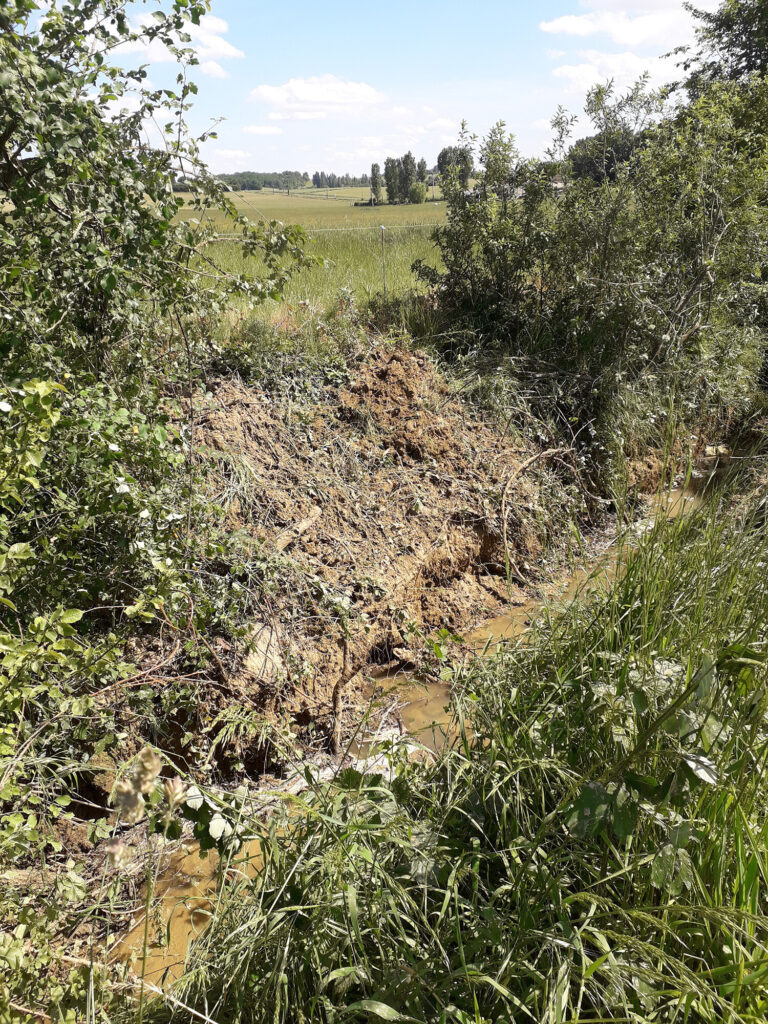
(591, 847)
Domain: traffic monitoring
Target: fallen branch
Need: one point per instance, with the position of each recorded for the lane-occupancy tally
(338, 690)
(294, 532)
(31, 1013)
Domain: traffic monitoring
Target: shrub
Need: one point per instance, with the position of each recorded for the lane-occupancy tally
(609, 283)
(108, 304)
(417, 192)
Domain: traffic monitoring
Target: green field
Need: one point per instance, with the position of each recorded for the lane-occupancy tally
(345, 238)
(315, 209)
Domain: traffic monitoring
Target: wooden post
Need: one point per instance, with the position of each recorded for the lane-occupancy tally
(383, 262)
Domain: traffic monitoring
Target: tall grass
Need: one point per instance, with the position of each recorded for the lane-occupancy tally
(594, 847)
(350, 263)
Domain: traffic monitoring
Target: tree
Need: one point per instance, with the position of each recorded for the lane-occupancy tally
(407, 176)
(733, 42)
(658, 265)
(622, 122)
(421, 170)
(376, 183)
(598, 158)
(457, 160)
(392, 179)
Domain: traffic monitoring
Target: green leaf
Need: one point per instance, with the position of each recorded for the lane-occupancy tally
(71, 615)
(595, 965)
(381, 1010)
(624, 819)
(352, 904)
(591, 812)
(20, 552)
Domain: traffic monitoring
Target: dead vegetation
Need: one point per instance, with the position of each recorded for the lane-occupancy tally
(387, 497)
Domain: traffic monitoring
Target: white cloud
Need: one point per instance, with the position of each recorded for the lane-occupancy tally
(207, 40)
(442, 124)
(298, 115)
(664, 28)
(213, 69)
(595, 66)
(316, 98)
(643, 29)
(236, 155)
(262, 129)
(661, 23)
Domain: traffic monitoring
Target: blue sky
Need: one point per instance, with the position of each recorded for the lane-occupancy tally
(336, 86)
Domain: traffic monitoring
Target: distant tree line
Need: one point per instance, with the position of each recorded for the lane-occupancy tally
(246, 181)
(320, 179)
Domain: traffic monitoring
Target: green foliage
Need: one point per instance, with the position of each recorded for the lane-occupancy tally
(407, 177)
(392, 179)
(620, 123)
(417, 193)
(301, 362)
(320, 179)
(400, 177)
(245, 181)
(457, 161)
(108, 301)
(733, 42)
(376, 183)
(589, 848)
(626, 280)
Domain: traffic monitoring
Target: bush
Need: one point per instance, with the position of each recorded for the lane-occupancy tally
(108, 305)
(417, 192)
(607, 284)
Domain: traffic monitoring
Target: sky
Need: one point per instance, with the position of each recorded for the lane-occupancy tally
(335, 87)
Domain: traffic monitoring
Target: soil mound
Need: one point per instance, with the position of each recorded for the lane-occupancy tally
(386, 498)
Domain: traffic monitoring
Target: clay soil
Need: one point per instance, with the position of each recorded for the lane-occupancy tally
(384, 504)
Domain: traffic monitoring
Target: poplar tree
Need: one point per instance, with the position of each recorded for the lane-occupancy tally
(376, 183)
(407, 176)
(392, 179)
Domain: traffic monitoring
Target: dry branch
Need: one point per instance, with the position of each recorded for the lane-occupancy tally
(293, 533)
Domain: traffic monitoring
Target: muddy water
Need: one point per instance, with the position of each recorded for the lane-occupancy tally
(185, 897)
(186, 889)
(425, 714)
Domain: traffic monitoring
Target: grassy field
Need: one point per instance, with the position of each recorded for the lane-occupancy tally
(312, 209)
(347, 241)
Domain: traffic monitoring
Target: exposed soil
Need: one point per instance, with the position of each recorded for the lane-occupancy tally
(387, 497)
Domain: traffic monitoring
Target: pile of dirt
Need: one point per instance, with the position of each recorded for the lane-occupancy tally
(387, 498)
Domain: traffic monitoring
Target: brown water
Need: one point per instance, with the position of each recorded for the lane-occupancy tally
(185, 898)
(186, 887)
